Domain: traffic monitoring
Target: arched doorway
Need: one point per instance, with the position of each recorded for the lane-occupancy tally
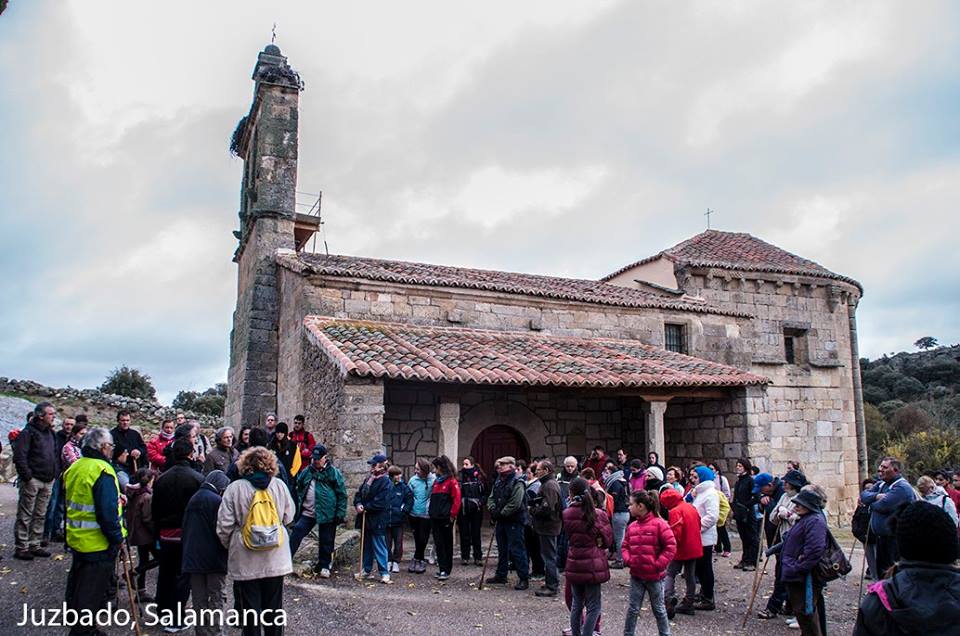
(495, 442)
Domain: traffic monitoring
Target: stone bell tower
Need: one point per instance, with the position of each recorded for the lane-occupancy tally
(266, 140)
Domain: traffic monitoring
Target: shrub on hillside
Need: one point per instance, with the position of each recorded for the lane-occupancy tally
(926, 451)
(210, 402)
(129, 383)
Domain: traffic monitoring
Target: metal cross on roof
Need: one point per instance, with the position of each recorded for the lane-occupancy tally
(707, 214)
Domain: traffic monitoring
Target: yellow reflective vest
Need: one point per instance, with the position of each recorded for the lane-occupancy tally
(83, 531)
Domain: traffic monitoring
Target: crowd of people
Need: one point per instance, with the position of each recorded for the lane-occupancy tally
(241, 506)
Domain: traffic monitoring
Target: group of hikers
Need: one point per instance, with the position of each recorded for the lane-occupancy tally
(240, 507)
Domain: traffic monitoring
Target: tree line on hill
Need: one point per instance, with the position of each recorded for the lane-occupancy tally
(133, 383)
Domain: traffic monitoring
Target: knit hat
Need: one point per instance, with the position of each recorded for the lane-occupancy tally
(318, 451)
(795, 478)
(655, 472)
(704, 473)
(282, 428)
(926, 533)
(809, 500)
(761, 480)
(218, 479)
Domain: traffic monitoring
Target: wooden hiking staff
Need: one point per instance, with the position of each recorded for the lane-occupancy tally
(863, 566)
(486, 557)
(759, 571)
(134, 610)
(363, 536)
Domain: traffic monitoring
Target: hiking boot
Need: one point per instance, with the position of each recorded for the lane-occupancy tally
(738, 566)
(23, 554)
(671, 608)
(496, 580)
(616, 565)
(423, 567)
(706, 605)
(413, 566)
(545, 592)
(465, 561)
(325, 573)
(767, 613)
(522, 584)
(685, 607)
(749, 568)
(442, 576)
(39, 552)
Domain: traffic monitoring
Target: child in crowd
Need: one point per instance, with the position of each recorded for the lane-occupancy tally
(401, 502)
(648, 549)
(589, 535)
(140, 528)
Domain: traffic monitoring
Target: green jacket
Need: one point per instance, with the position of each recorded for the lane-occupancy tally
(331, 493)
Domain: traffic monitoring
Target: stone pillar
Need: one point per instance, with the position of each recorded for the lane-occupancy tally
(757, 421)
(653, 425)
(448, 418)
(359, 433)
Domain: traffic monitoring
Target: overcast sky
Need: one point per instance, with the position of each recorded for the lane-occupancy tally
(540, 136)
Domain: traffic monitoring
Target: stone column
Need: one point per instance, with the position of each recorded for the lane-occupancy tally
(359, 432)
(448, 417)
(653, 425)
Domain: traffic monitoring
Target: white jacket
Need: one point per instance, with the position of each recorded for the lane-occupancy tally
(244, 564)
(707, 502)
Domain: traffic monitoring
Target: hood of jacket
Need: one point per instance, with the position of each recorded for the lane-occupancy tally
(670, 498)
(935, 494)
(259, 480)
(922, 597)
(704, 486)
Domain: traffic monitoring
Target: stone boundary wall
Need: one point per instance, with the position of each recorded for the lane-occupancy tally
(148, 410)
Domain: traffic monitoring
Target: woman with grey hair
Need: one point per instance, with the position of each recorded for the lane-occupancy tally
(223, 454)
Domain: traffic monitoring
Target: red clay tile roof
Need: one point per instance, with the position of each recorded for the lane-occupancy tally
(738, 251)
(474, 356)
(588, 291)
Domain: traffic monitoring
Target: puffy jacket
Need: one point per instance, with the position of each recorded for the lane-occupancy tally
(330, 493)
(421, 495)
(155, 452)
(35, 454)
(472, 491)
(305, 442)
(684, 520)
(920, 599)
(896, 493)
(802, 547)
(707, 503)
(445, 498)
(374, 496)
(401, 501)
(648, 548)
(586, 549)
(546, 509)
(507, 501)
(171, 492)
(202, 551)
(139, 515)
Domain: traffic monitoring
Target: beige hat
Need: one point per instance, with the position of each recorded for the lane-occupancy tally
(506, 460)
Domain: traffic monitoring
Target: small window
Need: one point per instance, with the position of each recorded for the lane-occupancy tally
(673, 338)
(795, 345)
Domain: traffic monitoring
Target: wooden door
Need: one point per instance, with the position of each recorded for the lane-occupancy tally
(495, 442)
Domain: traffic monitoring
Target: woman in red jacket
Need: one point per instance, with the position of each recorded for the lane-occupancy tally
(648, 549)
(684, 520)
(156, 446)
(589, 536)
(443, 509)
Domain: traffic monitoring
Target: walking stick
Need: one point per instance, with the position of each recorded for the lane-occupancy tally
(125, 557)
(758, 572)
(486, 558)
(363, 537)
(863, 566)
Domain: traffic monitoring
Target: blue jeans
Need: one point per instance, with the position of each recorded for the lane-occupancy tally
(375, 545)
(511, 547)
(637, 590)
(620, 521)
(56, 508)
(326, 533)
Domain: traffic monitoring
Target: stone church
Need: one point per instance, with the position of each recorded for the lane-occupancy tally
(719, 347)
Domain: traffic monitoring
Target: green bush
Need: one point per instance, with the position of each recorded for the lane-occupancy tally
(129, 383)
(926, 451)
(210, 402)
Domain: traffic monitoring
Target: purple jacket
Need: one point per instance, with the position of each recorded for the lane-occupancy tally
(804, 545)
(586, 560)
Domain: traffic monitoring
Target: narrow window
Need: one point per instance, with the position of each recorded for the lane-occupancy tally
(788, 350)
(673, 338)
(795, 345)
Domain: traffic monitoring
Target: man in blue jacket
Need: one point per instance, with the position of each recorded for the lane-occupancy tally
(372, 503)
(95, 527)
(204, 557)
(891, 493)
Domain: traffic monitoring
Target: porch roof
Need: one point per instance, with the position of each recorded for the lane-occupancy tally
(474, 356)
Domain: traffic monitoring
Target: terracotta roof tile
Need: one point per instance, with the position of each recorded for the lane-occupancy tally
(737, 251)
(573, 289)
(475, 356)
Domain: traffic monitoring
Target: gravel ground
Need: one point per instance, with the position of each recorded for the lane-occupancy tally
(417, 604)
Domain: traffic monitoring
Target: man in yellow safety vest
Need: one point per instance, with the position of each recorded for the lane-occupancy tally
(95, 529)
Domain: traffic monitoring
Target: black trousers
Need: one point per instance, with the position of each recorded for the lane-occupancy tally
(470, 523)
(259, 595)
(173, 587)
(421, 535)
(532, 543)
(145, 564)
(90, 585)
(704, 570)
(888, 553)
(747, 529)
(443, 542)
(723, 539)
